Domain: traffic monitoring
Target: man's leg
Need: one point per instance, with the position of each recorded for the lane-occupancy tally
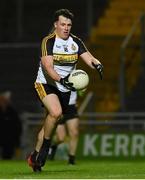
(53, 106)
(73, 130)
(32, 157)
(58, 139)
(39, 140)
(71, 121)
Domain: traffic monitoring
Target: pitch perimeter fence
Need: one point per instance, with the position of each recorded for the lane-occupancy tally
(101, 134)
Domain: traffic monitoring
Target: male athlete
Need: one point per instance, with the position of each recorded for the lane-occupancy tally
(60, 51)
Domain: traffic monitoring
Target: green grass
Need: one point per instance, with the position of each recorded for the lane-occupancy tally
(92, 169)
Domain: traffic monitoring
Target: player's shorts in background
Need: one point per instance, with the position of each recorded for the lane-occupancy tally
(71, 112)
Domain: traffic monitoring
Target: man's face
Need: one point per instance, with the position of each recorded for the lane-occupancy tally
(63, 27)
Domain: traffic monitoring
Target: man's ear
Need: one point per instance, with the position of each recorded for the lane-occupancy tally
(55, 24)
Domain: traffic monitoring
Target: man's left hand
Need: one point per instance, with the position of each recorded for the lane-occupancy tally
(99, 68)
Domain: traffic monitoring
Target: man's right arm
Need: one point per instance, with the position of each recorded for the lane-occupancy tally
(47, 63)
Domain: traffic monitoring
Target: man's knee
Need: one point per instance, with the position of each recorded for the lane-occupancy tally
(56, 114)
(74, 133)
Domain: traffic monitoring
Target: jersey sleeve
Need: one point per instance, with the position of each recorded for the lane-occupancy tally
(82, 47)
(47, 46)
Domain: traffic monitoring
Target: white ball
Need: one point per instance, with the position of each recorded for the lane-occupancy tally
(79, 78)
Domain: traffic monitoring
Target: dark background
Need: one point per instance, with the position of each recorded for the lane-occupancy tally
(23, 23)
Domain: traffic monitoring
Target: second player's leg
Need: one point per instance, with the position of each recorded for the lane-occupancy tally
(73, 130)
(59, 137)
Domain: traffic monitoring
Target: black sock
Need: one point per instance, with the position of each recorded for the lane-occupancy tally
(34, 155)
(54, 146)
(43, 153)
(46, 143)
(71, 159)
(52, 151)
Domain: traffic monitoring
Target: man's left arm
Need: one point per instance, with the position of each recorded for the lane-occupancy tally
(91, 61)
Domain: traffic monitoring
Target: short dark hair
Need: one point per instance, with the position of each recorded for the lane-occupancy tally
(63, 12)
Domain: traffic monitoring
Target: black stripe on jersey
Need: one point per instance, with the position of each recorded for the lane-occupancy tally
(44, 45)
(82, 47)
(65, 63)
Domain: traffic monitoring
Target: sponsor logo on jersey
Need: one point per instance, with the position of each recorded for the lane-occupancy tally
(57, 46)
(69, 58)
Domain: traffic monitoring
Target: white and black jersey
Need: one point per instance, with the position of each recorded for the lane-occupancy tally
(65, 54)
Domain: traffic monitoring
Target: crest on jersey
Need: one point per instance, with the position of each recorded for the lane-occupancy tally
(73, 47)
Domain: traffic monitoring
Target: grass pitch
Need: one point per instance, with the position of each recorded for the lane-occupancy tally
(91, 169)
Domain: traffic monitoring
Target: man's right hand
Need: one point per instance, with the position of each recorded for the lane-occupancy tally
(64, 81)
